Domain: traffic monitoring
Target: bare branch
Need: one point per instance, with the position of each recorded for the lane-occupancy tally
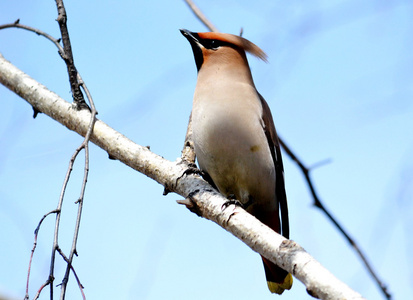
(81, 287)
(198, 13)
(48, 281)
(210, 204)
(17, 24)
(68, 57)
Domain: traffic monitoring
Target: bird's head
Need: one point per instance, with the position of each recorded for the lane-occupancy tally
(221, 46)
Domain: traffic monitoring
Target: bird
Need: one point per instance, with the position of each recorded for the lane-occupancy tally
(235, 141)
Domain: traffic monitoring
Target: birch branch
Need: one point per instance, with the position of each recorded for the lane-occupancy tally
(207, 202)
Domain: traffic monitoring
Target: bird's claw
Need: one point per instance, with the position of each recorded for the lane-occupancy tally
(231, 200)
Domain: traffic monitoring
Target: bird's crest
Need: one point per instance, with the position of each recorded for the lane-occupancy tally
(235, 40)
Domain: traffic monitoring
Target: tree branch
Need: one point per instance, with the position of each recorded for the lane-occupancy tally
(68, 57)
(209, 203)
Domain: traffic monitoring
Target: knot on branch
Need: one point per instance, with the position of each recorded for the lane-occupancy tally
(287, 249)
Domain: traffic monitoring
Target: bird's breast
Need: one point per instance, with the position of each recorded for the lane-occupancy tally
(230, 141)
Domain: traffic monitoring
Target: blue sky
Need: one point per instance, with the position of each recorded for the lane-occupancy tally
(338, 81)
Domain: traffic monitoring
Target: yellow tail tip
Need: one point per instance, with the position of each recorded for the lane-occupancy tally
(278, 288)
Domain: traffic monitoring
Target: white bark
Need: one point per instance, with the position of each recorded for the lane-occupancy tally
(206, 202)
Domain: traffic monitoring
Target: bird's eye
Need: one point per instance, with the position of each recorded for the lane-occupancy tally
(212, 44)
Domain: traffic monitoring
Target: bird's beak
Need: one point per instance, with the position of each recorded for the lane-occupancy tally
(190, 36)
(193, 39)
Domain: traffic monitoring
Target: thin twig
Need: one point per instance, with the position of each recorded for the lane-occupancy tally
(57, 223)
(36, 233)
(306, 172)
(48, 281)
(81, 287)
(17, 24)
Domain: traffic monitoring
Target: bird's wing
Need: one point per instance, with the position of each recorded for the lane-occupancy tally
(274, 145)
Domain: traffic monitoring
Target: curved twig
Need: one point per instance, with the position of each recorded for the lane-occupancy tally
(17, 24)
(36, 233)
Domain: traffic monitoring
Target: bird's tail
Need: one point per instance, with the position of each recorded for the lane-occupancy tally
(278, 280)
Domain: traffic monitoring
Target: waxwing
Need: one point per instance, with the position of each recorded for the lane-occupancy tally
(235, 141)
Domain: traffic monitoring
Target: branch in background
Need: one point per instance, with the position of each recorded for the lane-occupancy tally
(67, 56)
(211, 205)
(198, 13)
(317, 203)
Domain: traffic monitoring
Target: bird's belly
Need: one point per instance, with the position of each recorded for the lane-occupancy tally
(232, 148)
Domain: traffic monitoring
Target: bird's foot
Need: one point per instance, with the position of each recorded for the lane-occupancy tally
(191, 169)
(231, 200)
